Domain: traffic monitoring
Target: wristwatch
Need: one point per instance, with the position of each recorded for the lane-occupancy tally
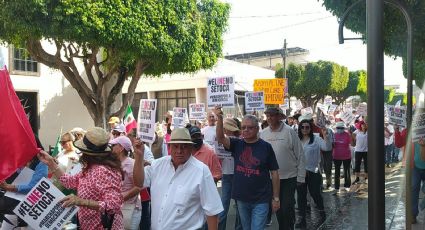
(276, 199)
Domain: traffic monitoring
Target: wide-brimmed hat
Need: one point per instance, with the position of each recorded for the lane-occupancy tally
(307, 117)
(230, 124)
(340, 124)
(95, 142)
(180, 136)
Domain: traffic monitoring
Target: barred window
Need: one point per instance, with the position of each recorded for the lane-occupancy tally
(22, 61)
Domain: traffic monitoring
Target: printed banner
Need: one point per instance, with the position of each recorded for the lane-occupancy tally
(418, 127)
(179, 117)
(146, 120)
(221, 92)
(397, 116)
(254, 101)
(42, 209)
(274, 90)
(197, 111)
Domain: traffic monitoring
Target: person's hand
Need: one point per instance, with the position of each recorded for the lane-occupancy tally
(44, 157)
(275, 205)
(139, 148)
(72, 200)
(8, 187)
(217, 111)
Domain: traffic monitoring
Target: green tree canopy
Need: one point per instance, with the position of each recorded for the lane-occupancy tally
(395, 30)
(312, 82)
(351, 89)
(131, 37)
(389, 93)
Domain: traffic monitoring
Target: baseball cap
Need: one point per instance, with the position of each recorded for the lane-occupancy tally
(123, 141)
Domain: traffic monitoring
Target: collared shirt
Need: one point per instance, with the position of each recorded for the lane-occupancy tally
(182, 197)
(312, 152)
(207, 156)
(289, 151)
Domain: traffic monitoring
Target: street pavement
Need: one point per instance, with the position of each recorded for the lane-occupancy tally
(348, 210)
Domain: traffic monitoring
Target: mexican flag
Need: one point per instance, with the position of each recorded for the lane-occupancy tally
(129, 120)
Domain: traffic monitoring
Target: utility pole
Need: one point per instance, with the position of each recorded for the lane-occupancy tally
(284, 54)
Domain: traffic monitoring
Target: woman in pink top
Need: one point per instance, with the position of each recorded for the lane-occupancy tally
(342, 155)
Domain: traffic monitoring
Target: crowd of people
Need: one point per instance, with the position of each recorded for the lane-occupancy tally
(266, 166)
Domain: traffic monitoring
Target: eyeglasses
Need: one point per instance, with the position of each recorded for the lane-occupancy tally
(64, 142)
(305, 127)
(248, 127)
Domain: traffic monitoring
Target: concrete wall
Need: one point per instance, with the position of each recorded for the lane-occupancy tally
(59, 106)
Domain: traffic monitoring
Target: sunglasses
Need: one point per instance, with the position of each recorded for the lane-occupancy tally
(248, 127)
(305, 127)
(64, 142)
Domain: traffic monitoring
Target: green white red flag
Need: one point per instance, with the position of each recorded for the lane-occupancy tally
(129, 120)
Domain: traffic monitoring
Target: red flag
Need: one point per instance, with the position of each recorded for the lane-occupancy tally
(16, 137)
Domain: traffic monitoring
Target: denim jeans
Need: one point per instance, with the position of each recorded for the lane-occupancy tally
(226, 192)
(312, 183)
(418, 175)
(253, 216)
(389, 152)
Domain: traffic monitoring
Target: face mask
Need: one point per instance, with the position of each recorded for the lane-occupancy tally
(198, 143)
(339, 130)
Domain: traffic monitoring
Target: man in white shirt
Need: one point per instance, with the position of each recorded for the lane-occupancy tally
(209, 131)
(183, 191)
(290, 157)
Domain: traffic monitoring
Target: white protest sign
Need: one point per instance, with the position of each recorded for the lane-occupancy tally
(328, 100)
(298, 105)
(221, 92)
(322, 107)
(197, 111)
(307, 110)
(146, 120)
(42, 209)
(179, 117)
(418, 127)
(321, 119)
(362, 109)
(397, 116)
(348, 107)
(332, 108)
(348, 117)
(254, 101)
(24, 177)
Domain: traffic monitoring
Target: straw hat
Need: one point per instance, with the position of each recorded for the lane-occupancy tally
(230, 124)
(180, 136)
(95, 142)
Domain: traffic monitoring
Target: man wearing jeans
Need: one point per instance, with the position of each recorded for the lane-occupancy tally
(290, 156)
(254, 162)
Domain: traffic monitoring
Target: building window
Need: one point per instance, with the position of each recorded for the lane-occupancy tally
(167, 100)
(22, 62)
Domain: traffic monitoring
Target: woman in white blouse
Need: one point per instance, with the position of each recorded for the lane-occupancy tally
(312, 144)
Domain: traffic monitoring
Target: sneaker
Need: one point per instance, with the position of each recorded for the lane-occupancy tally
(269, 223)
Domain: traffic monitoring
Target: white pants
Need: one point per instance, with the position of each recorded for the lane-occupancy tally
(131, 216)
